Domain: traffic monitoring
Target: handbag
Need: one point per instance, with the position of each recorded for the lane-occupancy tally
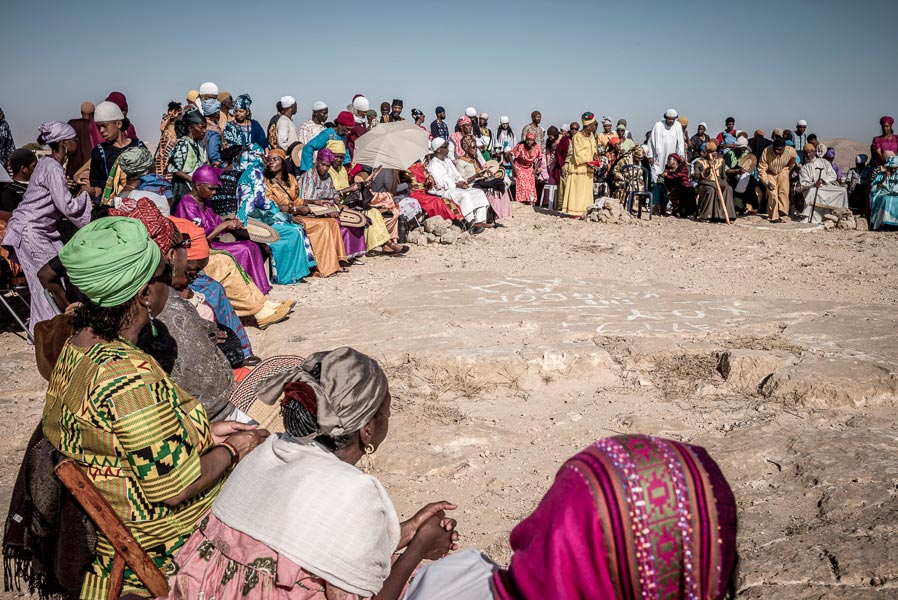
(231, 347)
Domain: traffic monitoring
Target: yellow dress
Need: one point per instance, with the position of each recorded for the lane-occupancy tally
(578, 174)
(376, 234)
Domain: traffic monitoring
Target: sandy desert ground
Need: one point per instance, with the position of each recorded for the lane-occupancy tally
(774, 346)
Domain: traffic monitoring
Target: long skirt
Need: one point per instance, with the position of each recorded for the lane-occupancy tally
(501, 203)
(31, 256)
(525, 185)
(244, 295)
(708, 203)
(434, 206)
(353, 241)
(249, 256)
(384, 202)
(883, 209)
(327, 243)
(472, 202)
(577, 195)
(290, 259)
(376, 234)
(827, 198)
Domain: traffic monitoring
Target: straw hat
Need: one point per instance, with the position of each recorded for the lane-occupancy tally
(261, 233)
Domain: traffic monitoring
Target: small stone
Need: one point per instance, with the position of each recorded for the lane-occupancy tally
(831, 217)
(861, 224)
(829, 225)
(436, 225)
(451, 236)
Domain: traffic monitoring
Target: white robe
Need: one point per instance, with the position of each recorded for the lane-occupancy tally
(472, 202)
(286, 133)
(663, 142)
(828, 196)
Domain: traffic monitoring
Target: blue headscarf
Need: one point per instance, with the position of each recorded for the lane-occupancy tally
(243, 101)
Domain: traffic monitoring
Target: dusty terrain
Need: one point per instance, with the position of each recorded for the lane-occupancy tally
(775, 346)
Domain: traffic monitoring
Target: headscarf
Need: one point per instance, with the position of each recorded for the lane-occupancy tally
(711, 146)
(830, 154)
(118, 99)
(211, 106)
(587, 119)
(821, 150)
(860, 159)
(109, 260)
(629, 517)
(160, 228)
(192, 116)
(371, 113)
(810, 149)
(326, 156)
(683, 121)
(207, 174)
(887, 120)
(199, 245)
(279, 153)
(892, 162)
(132, 163)
(56, 131)
(345, 387)
(192, 95)
(336, 146)
(531, 135)
(681, 172)
(463, 120)
(243, 101)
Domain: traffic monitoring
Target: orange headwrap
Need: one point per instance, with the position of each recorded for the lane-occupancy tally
(810, 149)
(278, 152)
(199, 245)
(711, 146)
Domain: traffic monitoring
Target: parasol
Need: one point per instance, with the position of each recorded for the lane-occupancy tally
(391, 145)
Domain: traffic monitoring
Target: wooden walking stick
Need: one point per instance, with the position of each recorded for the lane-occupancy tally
(723, 205)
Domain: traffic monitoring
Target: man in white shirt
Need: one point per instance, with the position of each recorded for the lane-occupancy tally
(448, 183)
(818, 173)
(286, 131)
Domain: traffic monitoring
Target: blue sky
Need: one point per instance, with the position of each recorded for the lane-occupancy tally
(766, 63)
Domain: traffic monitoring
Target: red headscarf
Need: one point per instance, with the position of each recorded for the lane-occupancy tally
(630, 517)
(160, 228)
(681, 172)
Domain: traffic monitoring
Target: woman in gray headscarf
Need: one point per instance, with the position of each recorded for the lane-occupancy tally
(33, 232)
(297, 519)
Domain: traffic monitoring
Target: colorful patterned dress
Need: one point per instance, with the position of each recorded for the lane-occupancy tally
(139, 438)
(524, 160)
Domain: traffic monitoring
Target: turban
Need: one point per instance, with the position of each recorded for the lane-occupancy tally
(439, 109)
(224, 96)
(56, 131)
(336, 146)
(287, 101)
(326, 156)
(711, 146)
(887, 121)
(361, 104)
(161, 230)
(588, 119)
(193, 117)
(108, 111)
(670, 113)
(621, 127)
(109, 260)
(319, 105)
(199, 245)
(243, 102)
(211, 106)
(118, 99)
(437, 143)
(208, 89)
(192, 95)
(87, 107)
(135, 161)
(397, 102)
(207, 174)
(801, 123)
(779, 142)
(471, 112)
(463, 120)
(683, 121)
(279, 153)
(345, 119)
(810, 149)
(830, 154)
(417, 113)
(606, 120)
(503, 119)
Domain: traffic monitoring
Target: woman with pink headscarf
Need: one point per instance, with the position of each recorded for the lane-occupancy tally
(464, 127)
(527, 159)
(884, 145)
(630, 517)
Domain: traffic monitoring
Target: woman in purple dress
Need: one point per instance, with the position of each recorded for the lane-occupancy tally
(193, 208)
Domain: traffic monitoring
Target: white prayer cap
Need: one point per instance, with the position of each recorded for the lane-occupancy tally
(471, 112)
(287, 101)
(319, 105)
(671, 113)
(208, 88)
(107, 111)
(437, 143)
(484, 116)
(503, 119)
(742, 142)
(703, 124)
(361, 104)
(801, 123)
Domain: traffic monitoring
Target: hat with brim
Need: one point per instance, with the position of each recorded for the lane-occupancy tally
(494, 168)
(296, 154)
(244, 396)
(261, 233)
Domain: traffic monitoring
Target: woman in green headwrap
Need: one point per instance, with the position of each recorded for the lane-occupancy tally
(146, 444)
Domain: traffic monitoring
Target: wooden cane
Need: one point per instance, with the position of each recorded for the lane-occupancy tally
(723, 205)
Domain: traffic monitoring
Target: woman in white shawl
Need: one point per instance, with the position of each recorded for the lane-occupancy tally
(297, 519)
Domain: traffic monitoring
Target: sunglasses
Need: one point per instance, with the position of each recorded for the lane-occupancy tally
(166, 276)
(184, 243)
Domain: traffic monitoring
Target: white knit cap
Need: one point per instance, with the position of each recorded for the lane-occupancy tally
(671, 113)
(107, 111)
(287, 101)
(503, 119)
(361, 104)
(742, 142)
(703, 124)
(471, 111)
(319, 105)
(437, 143)
(484, 116)
(208, 88)
(801, 123)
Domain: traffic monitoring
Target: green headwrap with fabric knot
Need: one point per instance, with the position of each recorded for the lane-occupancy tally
(110, 259)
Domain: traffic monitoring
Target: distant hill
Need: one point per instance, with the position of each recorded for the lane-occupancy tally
(846, 150)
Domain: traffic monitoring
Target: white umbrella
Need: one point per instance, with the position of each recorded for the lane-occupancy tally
(392, 146)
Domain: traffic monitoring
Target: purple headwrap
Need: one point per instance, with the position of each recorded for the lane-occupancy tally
(207, 174)
(631, 516)
(326, 156)
(887, 121)
(830, 154)
(56, 131)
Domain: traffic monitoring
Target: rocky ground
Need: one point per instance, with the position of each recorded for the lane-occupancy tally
(772, 345)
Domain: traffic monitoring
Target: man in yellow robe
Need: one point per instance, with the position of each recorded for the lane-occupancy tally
(578, 173)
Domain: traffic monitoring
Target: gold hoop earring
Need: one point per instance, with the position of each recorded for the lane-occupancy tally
(368, 465)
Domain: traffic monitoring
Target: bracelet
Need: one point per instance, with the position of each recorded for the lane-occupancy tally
(235, 456)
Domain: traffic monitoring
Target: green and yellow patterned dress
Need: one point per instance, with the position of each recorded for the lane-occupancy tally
(140, 438)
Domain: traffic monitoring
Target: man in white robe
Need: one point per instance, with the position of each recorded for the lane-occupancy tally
(666, 138)
(448, 183)
(286, 130)
(818, 173)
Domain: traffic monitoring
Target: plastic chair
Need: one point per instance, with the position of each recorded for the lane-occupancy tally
(552, 192)
(127, 551)
(636, 185)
